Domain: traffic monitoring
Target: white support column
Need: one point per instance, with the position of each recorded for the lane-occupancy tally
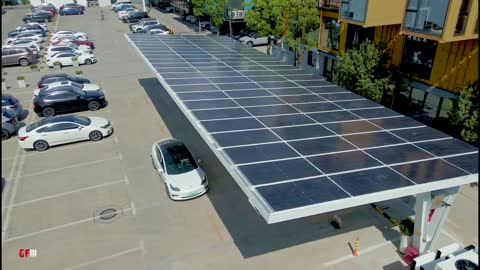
(426, 232)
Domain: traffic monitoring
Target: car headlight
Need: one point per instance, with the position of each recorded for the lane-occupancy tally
(107, 125)
(174, 188)
(204, 179)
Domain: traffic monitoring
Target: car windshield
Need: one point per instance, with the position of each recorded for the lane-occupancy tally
(178, 159)
(36, 125)
(85, 121)
(8, 114)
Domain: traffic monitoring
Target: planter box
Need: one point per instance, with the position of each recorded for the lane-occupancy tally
(22, 84)
(56, 67)
(75, 63)
(4, 86)
(405, 241)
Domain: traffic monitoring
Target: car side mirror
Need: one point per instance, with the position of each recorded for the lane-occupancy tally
(199, 161)
(80, 127)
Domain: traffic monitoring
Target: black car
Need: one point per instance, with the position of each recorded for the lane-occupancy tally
(18, 32)
(39, 17)
(73, 5)
(135, 16)
(141, 20)
(65, 99)
(150, 27)
(60, 77)
(32, 27)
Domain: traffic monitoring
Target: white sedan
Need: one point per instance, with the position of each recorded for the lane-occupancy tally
(24, 43)
(69, 34)
(79, 86)
(42, 25)
(58, 38)
(83, 48)
(65, 59)
(157, 32)
(124, 12)
(64, 49)
(182, 176)
(63, 129)
(37, 37)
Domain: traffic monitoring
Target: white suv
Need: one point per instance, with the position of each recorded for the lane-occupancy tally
(254, 39)
(144, 25)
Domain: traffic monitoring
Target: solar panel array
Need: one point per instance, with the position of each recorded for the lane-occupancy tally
(295, 141)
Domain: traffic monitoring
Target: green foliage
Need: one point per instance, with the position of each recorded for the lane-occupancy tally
(216, 9)
(57, 63)
(198, 7)
(265, 17)
(463, 114)
(33, 66)
(78, 72)
(20, 78)
(360, 70)
(406, 226)
(74, 59)
(25, 2)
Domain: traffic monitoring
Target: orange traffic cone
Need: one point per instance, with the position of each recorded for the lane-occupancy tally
(355, 249)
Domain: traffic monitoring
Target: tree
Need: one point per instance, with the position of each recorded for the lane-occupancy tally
(299, 18)
(264, 17)
(199, 7)
(463, 113)
(360, 70)
(216, 10)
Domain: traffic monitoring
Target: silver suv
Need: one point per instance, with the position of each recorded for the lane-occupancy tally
(11, 104)
(18, 56)
(9, 124)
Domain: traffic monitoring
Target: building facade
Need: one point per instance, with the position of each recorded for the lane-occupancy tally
(434, 43)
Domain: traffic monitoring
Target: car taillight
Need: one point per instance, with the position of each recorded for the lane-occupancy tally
(39, 86)
(10, 121)
(36, 105)
(13, 107)
(22, 138)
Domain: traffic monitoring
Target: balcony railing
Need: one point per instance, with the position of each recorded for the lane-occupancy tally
(329, 4)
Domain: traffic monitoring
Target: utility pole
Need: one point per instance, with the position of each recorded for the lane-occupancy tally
(144, 8)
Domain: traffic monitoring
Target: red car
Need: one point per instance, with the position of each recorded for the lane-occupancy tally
(74, 40)
(49, 9)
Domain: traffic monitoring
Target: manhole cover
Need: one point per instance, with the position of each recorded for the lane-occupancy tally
(108, 213)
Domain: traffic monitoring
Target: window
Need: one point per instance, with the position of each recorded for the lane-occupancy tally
(310, 58)
(52, 128)
(159, 155)
(462, 17)
(354, 10)
(426, 16)
(330, 33)
(418, 56)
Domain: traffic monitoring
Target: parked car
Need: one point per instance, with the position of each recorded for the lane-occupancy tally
(253, 40)
(34, 36)
(114, 5)
(50, 5)
(70, 11)
(24, 43)
(73, 5)
(135, 16)
(51, 11)
(65, 59)
(242, 33)
(32, 26)
(18, 56)
(64, 40)
(157, 32)
(9, 124)
(83, 48)
(60, 77)
(132, 25)
(68, 100)
(40, 17)
(63, 129)
(24, 31)
(169, 9)
(153, 27)
(122, 7)
(124, 12)
(65, 85)
(144, 25)
(61, 49)
(12, 105)
(177, 168)
(70, 34)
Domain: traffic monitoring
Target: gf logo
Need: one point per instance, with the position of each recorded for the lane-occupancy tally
(27, 252)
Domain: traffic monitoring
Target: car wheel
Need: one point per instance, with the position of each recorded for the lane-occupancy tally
(40, 145)
(47, 112)
(88, 61)
(250, 44)
(23, 62)
(93, 105)
(95, 135)
(6, 135)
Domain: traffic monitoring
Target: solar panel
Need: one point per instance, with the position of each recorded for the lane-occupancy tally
(296, 144)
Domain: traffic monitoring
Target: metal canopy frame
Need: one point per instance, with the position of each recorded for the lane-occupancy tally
(271, 216)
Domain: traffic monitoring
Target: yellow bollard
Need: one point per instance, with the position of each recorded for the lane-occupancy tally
(355, 249)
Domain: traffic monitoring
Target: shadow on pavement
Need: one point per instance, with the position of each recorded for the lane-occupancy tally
(251, 234)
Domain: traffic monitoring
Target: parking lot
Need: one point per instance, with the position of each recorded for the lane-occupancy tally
(56, 201)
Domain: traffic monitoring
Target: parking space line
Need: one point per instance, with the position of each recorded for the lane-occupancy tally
(68, 147)
(58, 227)
(72, 166)
(7, 159)
(65, 193)
(132, 206)
(362, 251)
(105, 258)
(127, 182)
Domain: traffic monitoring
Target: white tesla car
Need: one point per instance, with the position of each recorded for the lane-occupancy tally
(182, 176)
(37, 37)
(79, 86)
(63, 129)
(51, 51)
(65, 59)
(77, 35)
(83, 48)
(157, 32)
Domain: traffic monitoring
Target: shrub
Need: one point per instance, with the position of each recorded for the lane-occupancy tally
(406, 226)
(20, 78)
(33, 66)
(74, 59)
(57, 63)
(78, 72)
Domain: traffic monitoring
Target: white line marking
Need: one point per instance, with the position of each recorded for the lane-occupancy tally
(142, 247)
(104, 258)
(65, 193)
(58, 227)
(72, 166)
(132, 206)
(127, 182)
(361, 251)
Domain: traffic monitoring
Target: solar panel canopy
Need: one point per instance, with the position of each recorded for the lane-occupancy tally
(296, 144)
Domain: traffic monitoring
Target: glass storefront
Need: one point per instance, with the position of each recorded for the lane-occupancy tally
(426, 16)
